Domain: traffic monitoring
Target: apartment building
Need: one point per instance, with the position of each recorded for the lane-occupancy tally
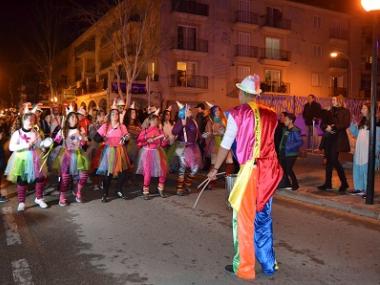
(209, 45)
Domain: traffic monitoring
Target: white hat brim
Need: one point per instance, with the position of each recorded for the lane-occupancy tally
(250, 91)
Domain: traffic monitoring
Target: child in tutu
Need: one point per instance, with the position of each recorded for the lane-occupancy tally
(25, 166)
(114, 161)
(72, 162)
(152, 160)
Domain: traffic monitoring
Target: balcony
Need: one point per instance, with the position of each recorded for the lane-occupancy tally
(246, 19)
(275, 57)
(335, 91)
(106, 63)
(338, 65)
(190, 7)
(246, 51)
(85, 47)
(188, 83)
(275, 87)
(88, 86)
(199, 46)
(278, 25)
(339, 35)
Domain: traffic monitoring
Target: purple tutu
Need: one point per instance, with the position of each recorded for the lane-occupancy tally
(191, 155)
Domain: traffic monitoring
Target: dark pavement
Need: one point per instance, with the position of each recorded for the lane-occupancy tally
(165, 241)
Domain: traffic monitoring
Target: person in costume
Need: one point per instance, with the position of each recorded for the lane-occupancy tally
(84, 121)
(114, 161)
(95, 149)
(167, 127)
(134, 128)
(360, 164)
(214, 131)
(152, 159)
(72, 161)
(251, 127)
(187, 149)
(25, 166)
(150, 110)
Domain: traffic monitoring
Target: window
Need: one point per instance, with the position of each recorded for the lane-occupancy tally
(272, 76)
(274, 17)
(272, 48)
(153, 70)
(185, 72)
(317, 50)
(315, 79)
(245, 5)
(317, 22)
(242, 71)
(186, 37)
(244, 38)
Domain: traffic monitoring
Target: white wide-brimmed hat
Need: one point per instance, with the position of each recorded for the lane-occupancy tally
(250, 84)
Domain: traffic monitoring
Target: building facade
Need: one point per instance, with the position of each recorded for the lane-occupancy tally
(209, 45)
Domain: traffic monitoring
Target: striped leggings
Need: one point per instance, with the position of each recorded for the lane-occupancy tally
(22, 187)
(66, 179)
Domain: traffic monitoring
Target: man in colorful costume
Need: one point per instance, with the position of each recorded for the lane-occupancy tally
(251, 127)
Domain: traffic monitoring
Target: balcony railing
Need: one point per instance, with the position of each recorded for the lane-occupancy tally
(85, 46)
(275, 54)
(269, 21)
(106, 63)
(246, 17)
(335, 91)
(190, 7)
(189, 81)
(247, 51)
(338, 63)
(197, 45)
(90, 86)
(339, 34)
(275, 87)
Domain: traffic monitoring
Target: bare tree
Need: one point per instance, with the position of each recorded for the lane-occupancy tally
(45, 39)
(132, 29)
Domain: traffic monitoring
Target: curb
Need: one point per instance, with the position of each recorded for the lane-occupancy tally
(355, 210)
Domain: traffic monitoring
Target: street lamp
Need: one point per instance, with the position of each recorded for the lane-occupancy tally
(336, 54)
(372, 6)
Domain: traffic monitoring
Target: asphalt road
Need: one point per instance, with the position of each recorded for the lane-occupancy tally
(166, 242)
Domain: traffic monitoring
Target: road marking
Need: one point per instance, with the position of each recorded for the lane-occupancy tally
(10, 226)
(22, 274)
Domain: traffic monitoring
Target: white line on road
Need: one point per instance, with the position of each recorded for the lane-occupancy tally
(10, 226)
(22, 275)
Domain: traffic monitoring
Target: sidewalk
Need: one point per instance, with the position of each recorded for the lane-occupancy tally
(310, 173)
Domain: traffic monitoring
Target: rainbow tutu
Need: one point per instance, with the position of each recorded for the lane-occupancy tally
(26, 165)
(71, 161)
(113, 161)
(152, 162)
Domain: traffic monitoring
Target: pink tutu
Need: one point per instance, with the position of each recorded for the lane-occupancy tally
(152, 162)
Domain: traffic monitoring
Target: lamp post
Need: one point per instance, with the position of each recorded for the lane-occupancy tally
(336, 54)
(372, 6)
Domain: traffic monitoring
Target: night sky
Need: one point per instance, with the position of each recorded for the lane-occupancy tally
(17, 18)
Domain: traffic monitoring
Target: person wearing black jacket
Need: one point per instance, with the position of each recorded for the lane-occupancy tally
(311, 113)
(336, 141)
(202, 118)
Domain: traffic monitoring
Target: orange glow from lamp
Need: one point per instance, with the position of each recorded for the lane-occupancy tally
(370, 5)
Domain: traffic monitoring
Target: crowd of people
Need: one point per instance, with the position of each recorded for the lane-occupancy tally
(336, 124)
(81, 146)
